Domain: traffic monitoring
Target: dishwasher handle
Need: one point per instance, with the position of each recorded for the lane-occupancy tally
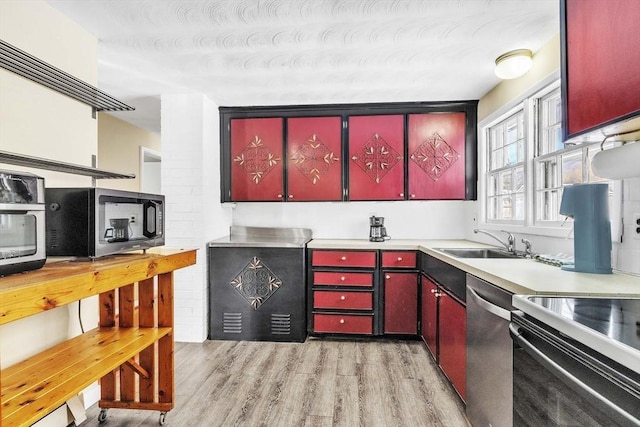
(491, 308)
(549, 364)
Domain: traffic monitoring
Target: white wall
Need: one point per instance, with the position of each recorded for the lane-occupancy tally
(119, 145)
(350, 220)
(37, 121)
(194, 214)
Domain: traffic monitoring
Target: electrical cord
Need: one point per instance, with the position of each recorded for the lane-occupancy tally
(80, 315)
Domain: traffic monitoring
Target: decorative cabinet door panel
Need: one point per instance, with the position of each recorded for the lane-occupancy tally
(314, 158)
(400, 303)
(256, 159)
(437, 156)
(376, 157)
(452, 341)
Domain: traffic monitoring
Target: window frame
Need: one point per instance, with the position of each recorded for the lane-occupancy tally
(527, 101)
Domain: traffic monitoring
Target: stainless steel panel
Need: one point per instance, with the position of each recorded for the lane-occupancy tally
(265, 237)
(489, 355)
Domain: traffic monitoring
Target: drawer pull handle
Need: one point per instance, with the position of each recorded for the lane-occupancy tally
(343, 278)
(344, 258)
(341, 321)
(387, 277)
(342, 297)
(399, 258)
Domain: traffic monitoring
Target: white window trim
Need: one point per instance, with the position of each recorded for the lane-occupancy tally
(529, 226)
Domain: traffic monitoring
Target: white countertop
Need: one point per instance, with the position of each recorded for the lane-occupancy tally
(520, 276)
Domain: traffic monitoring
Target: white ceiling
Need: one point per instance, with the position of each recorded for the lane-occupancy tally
(289, 52)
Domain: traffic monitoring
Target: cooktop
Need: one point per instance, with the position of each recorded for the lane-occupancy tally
(610, 326)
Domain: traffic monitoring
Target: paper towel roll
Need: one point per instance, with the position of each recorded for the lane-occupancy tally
(618, 163)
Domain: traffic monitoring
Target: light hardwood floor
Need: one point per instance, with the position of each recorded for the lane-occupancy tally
(322, 382)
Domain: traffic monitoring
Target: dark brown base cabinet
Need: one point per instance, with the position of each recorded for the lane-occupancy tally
(444, 331)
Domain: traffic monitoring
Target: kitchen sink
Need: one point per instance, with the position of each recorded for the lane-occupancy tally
(478, 253)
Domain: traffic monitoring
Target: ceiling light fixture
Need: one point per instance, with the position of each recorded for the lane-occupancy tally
(513, 64)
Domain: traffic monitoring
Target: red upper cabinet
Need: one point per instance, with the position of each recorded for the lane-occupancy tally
(376, 157)
(314, 169)
(600, 65)
(437, 156)
(256, 159)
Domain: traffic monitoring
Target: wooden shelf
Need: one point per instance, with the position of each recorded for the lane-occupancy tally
(131, 352)
(67, 369)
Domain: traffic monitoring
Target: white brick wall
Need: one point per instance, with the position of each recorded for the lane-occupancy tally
(194, 214)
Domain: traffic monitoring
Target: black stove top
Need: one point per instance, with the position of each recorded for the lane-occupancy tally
(611, 326)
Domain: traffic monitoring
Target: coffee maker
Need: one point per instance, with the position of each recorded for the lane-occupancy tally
(377, 231)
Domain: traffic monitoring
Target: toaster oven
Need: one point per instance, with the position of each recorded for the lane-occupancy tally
(22, 222)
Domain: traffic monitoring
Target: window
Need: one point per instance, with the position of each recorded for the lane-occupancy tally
(506, 169)
(527, 163)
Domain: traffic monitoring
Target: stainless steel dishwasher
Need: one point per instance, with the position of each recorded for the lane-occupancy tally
(489, 355)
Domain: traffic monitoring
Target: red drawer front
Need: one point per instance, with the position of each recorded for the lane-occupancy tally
(325, 278)
(335, 323)
(344, 300)
(344, 258)
(399, 259)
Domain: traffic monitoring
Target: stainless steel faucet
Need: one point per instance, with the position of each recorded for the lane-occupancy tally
(527, 248)
(510, 245)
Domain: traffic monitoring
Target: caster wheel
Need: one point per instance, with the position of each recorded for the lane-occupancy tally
(163, 418)
(102, 417)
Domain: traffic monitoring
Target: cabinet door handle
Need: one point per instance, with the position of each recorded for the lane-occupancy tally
(341, 321)
(401, 194)
(434, 291)
(399, 258)
(342, 297)
(291, 196)
(279, 196)
(387, 277)
(413, 196)
(344, 258)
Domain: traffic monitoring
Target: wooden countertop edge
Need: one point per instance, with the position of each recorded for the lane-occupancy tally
(60, 283)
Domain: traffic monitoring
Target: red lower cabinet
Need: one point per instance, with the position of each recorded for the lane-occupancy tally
(429, 324)
(400, 303)
(452, 341)
(444, 331)
(343, 323)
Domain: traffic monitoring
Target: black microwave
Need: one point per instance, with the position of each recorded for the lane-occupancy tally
(94, 222)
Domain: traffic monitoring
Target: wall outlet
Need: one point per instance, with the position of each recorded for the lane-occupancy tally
(636, 226)
(133, 219)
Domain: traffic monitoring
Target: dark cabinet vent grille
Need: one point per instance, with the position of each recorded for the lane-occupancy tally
(280, 324)
(232, 323)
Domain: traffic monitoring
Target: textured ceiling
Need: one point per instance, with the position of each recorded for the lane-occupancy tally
(281, 52)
